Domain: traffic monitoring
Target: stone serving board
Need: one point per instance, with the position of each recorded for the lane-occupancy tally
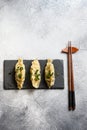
(9, 75)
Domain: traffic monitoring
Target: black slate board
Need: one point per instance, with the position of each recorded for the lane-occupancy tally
(9, 75)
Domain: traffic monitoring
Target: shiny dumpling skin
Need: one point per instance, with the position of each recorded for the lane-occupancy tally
(49, 73)
(20, 73)
(35, 73)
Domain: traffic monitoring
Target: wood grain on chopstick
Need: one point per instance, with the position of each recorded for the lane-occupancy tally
(72, 83)
(70, 79)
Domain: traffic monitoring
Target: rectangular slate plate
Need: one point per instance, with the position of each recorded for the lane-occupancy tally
(9, 75)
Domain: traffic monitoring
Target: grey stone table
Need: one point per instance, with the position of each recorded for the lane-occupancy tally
(40, 29)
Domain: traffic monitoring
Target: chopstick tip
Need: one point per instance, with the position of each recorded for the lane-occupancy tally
(69, 43)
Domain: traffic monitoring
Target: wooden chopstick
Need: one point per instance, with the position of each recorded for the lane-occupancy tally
(70, 79)
(72, 82)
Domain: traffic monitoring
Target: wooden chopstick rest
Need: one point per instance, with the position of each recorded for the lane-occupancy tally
(74, 50)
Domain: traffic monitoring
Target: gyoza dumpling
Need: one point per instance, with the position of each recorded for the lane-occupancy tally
(20, 73)
(35, 73)
(49, 73)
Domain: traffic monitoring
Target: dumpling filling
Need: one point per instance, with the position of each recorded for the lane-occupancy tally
(20, 73)
(35, 73)
(49, 73)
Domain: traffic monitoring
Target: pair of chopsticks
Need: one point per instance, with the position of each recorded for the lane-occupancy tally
(71, 92)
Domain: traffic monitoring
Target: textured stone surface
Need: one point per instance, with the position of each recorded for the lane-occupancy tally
(40, 29)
